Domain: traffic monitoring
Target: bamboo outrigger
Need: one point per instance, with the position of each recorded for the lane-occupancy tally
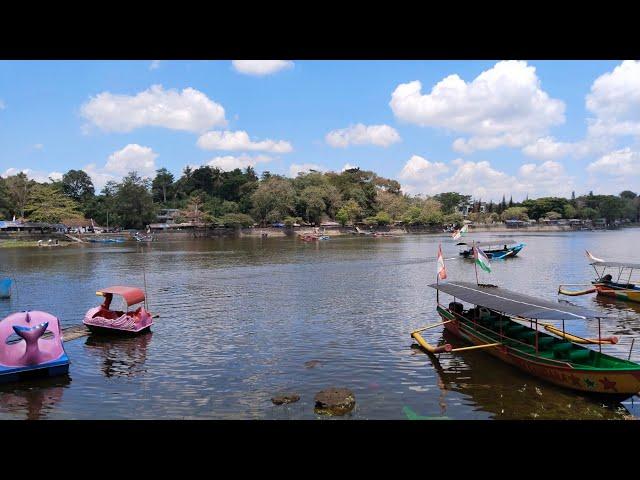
(624, 287)
(491, 325)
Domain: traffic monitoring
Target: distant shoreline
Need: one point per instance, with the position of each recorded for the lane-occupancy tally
(30, 239)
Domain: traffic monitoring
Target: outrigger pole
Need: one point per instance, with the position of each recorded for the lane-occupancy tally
(475, 264)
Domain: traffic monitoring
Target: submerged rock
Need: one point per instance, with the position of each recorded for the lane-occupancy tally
(285, 398)
(312, 363)
(334, 401)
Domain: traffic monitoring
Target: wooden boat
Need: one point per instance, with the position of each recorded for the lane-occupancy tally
(623, 288)
(139, 237)
(498, 248)
(106, 240)
(491, 325)
(103, 320)
(26, 352)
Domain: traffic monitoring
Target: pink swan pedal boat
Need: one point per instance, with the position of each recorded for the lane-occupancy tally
(31, 353)
(103, 320)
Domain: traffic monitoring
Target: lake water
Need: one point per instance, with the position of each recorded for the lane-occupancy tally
(244, 319)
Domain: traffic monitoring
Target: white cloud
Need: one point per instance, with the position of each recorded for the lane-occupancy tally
(620, 163)
(239, 140)
(359, 134)
(261, 67)
(548, 148)
(348, 166)
(295, 169)
(419, 169)
(189, 110)
(481, 180)
(504, 105)
(230, 162)
(155, 64)
(2, 105)
(37, 175)
(132, 157)
(615, 100)
(38, 146)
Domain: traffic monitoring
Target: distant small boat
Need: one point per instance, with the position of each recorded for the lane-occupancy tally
(106, 240)
(103, 320)
(497, 249)
(139, 237)
(31, 353)
(49, 243)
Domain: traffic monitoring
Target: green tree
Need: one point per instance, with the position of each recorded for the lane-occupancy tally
(78, 185)
(133, 202)
(350, 212)
(162, 185)
(236, 220)
(515, 213)
(312, 198)
(18, 187)
(49, 204)
(450, 200)
(273, 200)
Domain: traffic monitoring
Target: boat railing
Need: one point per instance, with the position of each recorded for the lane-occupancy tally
(501, 335)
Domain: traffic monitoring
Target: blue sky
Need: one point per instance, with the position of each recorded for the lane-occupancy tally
(485, 128)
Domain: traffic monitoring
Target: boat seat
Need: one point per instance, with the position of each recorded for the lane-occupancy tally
(515, 330)
(561, 350)
(528, 336)
(545, 343)
(580, 355)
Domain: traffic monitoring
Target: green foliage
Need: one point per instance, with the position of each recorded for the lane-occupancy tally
(515, 213)
(291, 221)
(350, 212)
(78, 185)
(450, 200)
(274, 199)
(162, 186)
(47, 203)
(133, 203)
(235, 220)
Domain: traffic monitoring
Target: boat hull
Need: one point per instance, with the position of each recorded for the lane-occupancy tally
(609, 383)
(496, 254)
(627, 294)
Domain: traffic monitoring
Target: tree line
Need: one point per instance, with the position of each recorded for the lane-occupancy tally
(240, 198)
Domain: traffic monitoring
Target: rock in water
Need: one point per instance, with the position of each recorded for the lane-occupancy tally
(285, 398)
(334, 401)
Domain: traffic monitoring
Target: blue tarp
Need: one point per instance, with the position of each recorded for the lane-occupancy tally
(5, 288)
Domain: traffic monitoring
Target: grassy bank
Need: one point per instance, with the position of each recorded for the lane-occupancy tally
(27, 243)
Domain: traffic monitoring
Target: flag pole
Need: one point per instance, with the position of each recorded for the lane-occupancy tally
(475, 263)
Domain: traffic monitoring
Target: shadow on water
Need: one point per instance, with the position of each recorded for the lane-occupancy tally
(33, 399)
(492, 386)
(120, 356)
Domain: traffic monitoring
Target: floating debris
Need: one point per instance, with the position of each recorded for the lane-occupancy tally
(312, 363)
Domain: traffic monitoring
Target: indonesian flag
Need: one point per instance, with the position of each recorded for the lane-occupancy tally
(481, 259)
(592, 258)
(458, 233)
(442, 270)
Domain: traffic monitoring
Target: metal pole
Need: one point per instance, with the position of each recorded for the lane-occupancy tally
(599, 337)
(475, 264)
(632, 342)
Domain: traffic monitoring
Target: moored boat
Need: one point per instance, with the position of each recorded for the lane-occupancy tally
(624, 287)
(102, 319)
(497, 249)
(30, 353)
(491, 325)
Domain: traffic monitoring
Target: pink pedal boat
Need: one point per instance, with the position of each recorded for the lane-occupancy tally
(102, 320)
(30, 353)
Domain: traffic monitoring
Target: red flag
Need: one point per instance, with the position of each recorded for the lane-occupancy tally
(442, 270)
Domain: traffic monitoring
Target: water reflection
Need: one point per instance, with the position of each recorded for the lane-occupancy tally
(120, 356)
(33, 399)
(500, 389)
